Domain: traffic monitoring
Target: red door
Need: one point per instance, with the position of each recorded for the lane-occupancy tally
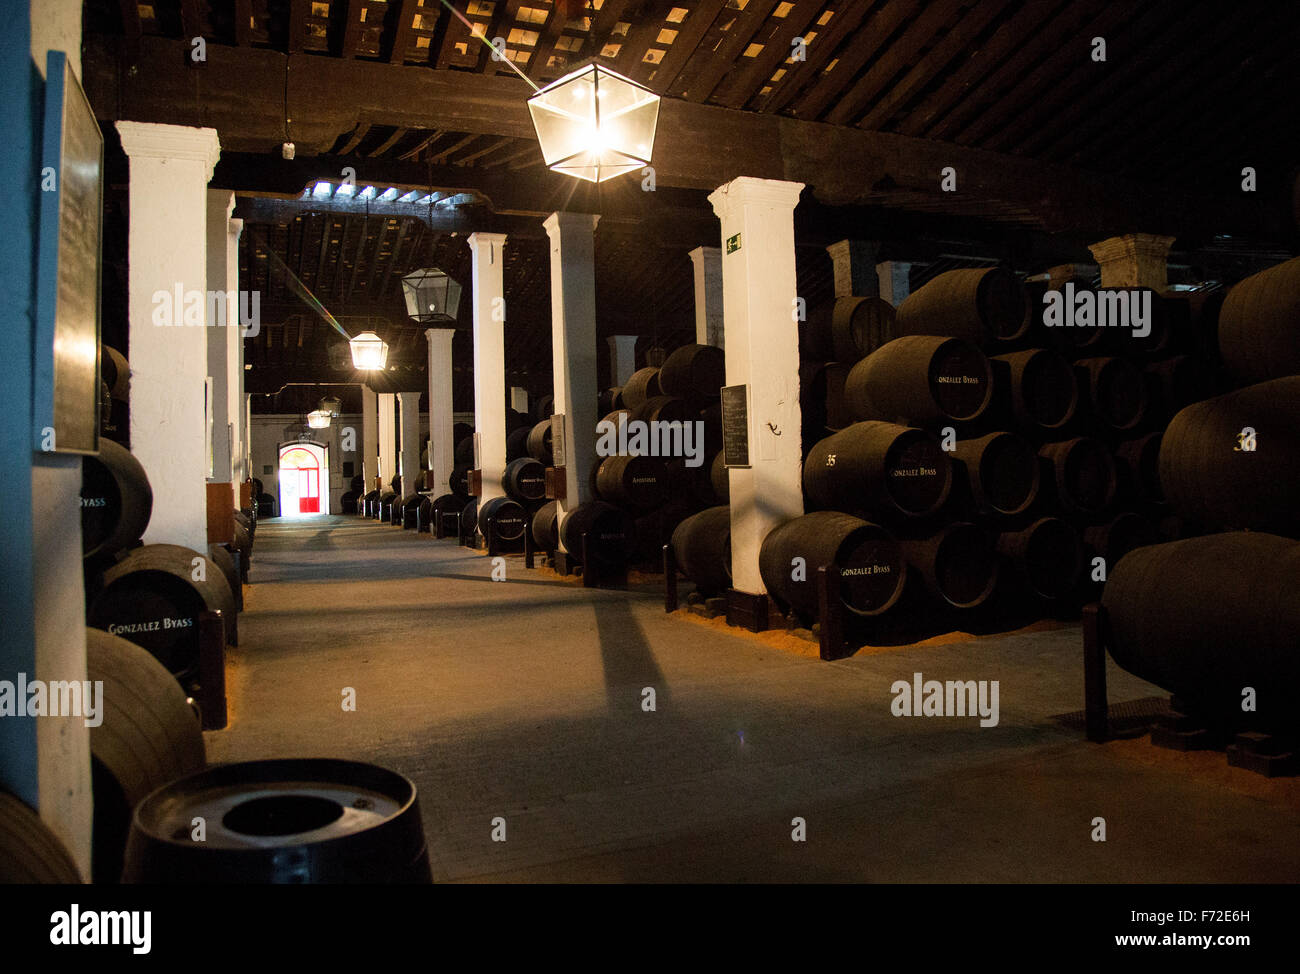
(308, 490)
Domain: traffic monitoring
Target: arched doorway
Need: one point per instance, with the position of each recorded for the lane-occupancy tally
(304, 479)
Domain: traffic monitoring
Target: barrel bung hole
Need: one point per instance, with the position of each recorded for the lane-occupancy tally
(282, 815)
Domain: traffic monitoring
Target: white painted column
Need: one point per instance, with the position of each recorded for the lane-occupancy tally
(387, 438)
(369, 438)
(1134, 260)
(573, 347)
(221, 366)
(894, 278)
(234, 336)
(622, 358)
(487, 263)
(708, 295)
(519, 399)
(410, 453)
(442, 445)
(167, 250)
(854, 266)
(762, 346)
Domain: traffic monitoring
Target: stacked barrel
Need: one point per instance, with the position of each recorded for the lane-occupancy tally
(1213, 618)
(655, 486)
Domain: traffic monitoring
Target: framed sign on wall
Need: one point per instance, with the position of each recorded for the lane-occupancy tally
(66, 375)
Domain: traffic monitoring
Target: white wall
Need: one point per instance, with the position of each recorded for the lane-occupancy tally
(267, 432)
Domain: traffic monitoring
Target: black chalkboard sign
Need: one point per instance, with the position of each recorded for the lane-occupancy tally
(735, 426)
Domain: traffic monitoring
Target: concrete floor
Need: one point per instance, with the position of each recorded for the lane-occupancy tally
(522, 699)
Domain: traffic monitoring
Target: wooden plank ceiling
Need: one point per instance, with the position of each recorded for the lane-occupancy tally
(1189, 89)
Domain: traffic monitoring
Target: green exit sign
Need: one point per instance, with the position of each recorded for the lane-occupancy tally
(733, 244)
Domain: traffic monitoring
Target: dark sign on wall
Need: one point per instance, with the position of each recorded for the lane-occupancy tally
(735, 426)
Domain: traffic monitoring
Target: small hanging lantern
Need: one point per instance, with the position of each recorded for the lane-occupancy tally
(432, 298)
(595, 124)
(331, 405)
(369, 351)
(318, 419)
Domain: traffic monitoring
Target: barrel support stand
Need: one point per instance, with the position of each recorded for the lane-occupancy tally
(528, 542)
(670, 579)
(830, 613)
(212, 670)
(1096, 709)
(746, 610)
(239, 574)
(493, 547)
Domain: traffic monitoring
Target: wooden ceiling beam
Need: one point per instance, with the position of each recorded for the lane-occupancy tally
(690, 34)
(730, 50)
(778, 49)
(403, 28)
(388, 143)
(423, 144)
(296, 28)
(880, 98)
(698, 147)
(818, 54)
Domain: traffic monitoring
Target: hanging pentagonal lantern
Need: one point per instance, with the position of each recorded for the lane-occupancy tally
(432, 298)
(331, 405)
(595, 124)
(369, 351)
(318, 419)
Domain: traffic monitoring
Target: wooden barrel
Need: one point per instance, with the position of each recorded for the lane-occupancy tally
(1120, 535)
(609, 532)
(243, 542)
(115, 372)
(920, 380)
(1082, 474)
(287, 821)
(638, 483)
(224, 559)
(266, 505)
(368, 503)
(640, 386)
(348, 502)
(386, 501)
(1175, 383)
(846, 329)
(1047, 556)
(545, 531)
(695, 373)
(871, 563)
(442, 504)
(978, 305)
(1041, 389)
(539, 443)
(605, 399)
(958, 564)
(424, 515)
(358, 483)
(395, 484)
(821, 398)
(1001, 472)
(543, 407)
(148, 735)
(1116, 390)
(30, 852)
(1207, 478)
(509, 518)
(409, 508)
(1257, 324)
(524, 481)
(1206, 617)
(469, 515)
(720, 479)
(116, 500)
(152, 598)
(1138, 467)
(517, 443)
(464, 453)
(458, 482)
(702, 547)
(878, 467)
(689, 487)
(665, 409)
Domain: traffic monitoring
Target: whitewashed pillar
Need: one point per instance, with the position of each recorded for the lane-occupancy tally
(387, 438)
(573, 347)
(370, 438)
(854, 265)
(409, 403)
(708, 295)
(762, 352)
(442, 444)
(894, 280)
(622, 358)
(1134, 260)
(487, 263)
(167, 254)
